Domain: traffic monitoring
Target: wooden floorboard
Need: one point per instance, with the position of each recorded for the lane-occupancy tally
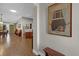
(13, 45)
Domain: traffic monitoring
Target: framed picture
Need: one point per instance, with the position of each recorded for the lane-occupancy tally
(60, 19)
(27, 26)
(1, 26)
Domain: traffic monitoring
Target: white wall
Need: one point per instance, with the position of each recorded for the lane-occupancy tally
(65, 45)
(26, 20)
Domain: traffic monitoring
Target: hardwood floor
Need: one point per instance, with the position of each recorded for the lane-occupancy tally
(13, 45)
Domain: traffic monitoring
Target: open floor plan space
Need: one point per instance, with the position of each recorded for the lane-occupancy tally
(16, 31)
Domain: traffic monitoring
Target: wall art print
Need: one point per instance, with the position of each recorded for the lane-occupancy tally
(60, 19)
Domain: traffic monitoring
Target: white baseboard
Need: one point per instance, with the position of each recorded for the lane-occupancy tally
(41, 54)
(35, 52)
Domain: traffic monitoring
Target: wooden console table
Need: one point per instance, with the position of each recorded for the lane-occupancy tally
(28, 35)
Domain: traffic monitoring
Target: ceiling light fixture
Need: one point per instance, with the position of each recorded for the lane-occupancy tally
(14, 11)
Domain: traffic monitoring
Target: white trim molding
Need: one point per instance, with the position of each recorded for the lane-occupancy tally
(35, 52)
(38, 54)
(41, 54)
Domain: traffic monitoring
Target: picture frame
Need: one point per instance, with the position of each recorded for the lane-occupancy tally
(60, 19)
(1, 26)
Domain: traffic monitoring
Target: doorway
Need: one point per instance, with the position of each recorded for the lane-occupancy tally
(12, 29)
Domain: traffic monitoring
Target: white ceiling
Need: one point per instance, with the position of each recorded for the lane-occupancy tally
(22, 10)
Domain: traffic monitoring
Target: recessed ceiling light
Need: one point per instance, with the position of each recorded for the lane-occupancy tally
(14, 11)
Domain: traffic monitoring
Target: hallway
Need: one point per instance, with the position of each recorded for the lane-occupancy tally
(15, 46)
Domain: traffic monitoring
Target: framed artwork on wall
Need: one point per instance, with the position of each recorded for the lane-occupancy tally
(1, 26)
(60, 19)
(1, 23)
